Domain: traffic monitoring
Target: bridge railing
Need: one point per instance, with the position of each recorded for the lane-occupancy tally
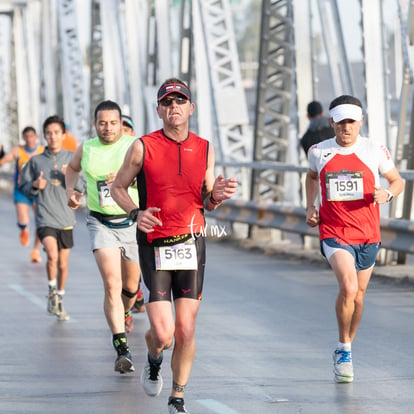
(397, 234)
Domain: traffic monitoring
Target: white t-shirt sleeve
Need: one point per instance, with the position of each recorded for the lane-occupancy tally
(385, 160)
(312, 159)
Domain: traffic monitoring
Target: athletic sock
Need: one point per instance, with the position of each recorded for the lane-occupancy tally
(155, 361)
(120, 343)
(344, 345)
(52, 284)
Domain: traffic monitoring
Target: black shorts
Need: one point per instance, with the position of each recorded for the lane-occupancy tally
(64, 237)
(158, 284)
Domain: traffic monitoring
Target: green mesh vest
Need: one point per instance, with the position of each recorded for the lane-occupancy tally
(98, 161)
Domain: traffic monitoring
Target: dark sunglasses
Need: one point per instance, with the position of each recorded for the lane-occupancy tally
(179, 100)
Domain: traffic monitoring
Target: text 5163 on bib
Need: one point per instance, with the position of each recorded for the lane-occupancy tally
(181, 256)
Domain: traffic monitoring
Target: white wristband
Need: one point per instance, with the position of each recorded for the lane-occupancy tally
(390, 195)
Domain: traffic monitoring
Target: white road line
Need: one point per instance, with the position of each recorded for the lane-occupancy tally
(32, 298)
(217, 407)
(25, 293)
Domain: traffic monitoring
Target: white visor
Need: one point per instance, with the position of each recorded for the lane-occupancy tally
(346, 111)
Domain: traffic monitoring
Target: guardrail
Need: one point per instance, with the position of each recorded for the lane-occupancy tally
(396, 234)
(280, 166)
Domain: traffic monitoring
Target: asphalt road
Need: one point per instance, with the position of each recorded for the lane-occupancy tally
(266, 331)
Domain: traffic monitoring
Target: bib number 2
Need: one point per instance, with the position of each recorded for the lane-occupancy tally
(104, 191)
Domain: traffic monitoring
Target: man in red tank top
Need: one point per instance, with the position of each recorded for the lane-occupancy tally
(175, 176)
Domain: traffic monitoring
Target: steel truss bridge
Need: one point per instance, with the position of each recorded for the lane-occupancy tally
(136, 44)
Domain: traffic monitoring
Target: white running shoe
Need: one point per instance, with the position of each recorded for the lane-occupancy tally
(343, 370)
(151, 379)
(61, 312)
(52, 302)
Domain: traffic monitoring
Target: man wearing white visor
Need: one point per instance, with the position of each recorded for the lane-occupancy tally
(344, 173)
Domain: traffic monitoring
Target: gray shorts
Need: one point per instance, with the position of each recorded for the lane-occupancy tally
(102, 236)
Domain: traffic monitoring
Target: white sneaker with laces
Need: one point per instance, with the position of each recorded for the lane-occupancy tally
(151, 379)
(343, 369)
(52, 302)
(61, 312)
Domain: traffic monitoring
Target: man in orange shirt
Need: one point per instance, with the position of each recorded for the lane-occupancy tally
(21, 154)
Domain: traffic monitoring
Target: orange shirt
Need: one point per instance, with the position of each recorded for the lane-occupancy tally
(24, 156)
(69, 142)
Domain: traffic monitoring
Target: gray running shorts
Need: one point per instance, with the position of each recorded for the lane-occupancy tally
(102, 236)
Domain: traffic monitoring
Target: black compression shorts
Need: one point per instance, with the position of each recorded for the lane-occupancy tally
(158, 285)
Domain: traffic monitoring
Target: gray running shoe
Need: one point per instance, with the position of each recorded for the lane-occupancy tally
(176, 406)
(61, 312)
(52, 302)
(151, 379)
(343, 370)
(123, 363)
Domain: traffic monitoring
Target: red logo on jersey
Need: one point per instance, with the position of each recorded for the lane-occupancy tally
(386, 152)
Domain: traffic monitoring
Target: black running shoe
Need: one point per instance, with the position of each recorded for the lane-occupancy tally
(176, 406)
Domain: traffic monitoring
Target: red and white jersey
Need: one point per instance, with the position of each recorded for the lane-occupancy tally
(347, 179)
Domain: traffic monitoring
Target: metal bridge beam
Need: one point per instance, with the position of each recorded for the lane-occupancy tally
(23, 90)
(228, 102)
(158, 61)
(96, 82)
(306, 86)
(76, 109)
(333, 39)
(5, 77)
(274, 97)
(114, 63)
(135, 20)
(378, 105)
(48, 94)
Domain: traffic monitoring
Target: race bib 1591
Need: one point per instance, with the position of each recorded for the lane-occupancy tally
(344, 186)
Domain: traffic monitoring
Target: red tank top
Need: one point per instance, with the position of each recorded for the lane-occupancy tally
(172, 179)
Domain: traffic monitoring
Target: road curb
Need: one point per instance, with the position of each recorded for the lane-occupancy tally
(397, 274)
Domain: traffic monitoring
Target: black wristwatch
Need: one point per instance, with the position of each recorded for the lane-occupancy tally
(133, 214)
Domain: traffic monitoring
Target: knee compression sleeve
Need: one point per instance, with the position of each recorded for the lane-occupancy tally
(129, 294)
